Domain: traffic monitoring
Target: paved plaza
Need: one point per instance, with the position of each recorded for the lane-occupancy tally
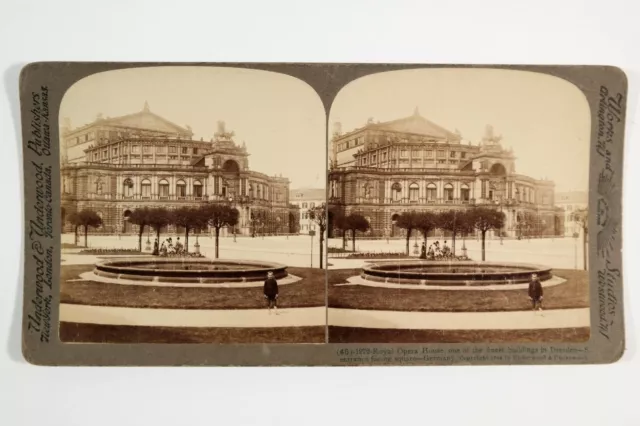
(562, 253)
(518, 320)
(290, 251)
(300, 317)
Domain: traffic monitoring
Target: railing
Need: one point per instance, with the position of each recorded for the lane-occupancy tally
(419, 201)
(186, 167)
(433, 170)
(161, 197)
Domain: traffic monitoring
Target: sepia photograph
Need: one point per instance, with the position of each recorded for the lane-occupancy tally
(457, 209)
(191, 200)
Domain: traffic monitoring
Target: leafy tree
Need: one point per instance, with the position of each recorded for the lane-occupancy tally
(87, 218)
(159, 218)
(466, 224)
(337, 219)
(220, 216)
(485, 219)
(426, 222)
(200, 221)
(452, 221)
(408, 221)
(318, 215)
(356, 222)
(581, 217)
(74, 220)
(186, 217)
(140, 217)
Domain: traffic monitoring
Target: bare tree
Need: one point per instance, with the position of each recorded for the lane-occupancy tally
(318, 215)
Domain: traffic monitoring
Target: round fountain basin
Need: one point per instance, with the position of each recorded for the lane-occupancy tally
(189, 270)
(453, 273)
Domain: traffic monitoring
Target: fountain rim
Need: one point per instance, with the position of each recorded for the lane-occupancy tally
(543, 272)
(121, 266)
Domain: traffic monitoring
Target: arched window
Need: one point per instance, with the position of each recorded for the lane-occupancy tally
(163, 188)
(448, 192)
(127, 188)
(145, 187)
(181, 188)
(101, 218)
(304, 205)
(396, 191)
(464, 192)
(414, 190)
(197, 189)
(432, 192)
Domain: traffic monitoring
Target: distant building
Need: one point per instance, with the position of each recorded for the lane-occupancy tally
(571, 202)
(384, 169)
(306, 199)
(115, 165)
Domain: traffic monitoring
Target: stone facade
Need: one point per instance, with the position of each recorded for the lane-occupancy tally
(571, 202)
(116, 165)
(384, 169)
(306, 199)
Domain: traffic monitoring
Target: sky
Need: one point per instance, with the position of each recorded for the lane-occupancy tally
(545, 119)
(280, 118)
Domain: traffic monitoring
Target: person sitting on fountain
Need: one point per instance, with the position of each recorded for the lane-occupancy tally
(163, 249)
(535, 292)
(179, 246)
(445, 249)
(170, 249)
(271, 292)
(423, 251)
(430, 253)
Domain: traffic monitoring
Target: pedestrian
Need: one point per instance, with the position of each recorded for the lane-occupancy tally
(535, 292)
(423, 251)
(156, 250)
(271, 292)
